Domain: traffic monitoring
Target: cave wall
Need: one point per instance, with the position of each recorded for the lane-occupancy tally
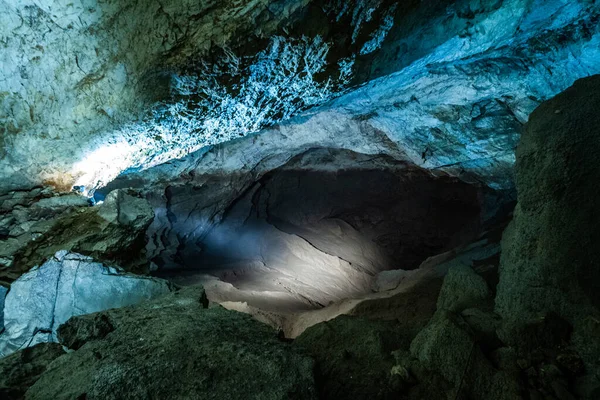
(317, 229)
(550, 252)
(73, 72)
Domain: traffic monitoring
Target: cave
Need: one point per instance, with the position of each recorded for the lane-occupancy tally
(299, 199)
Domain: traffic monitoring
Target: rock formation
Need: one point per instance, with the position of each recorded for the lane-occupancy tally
(66, 285)
(115, 86)
(37, 224)
(548, 251)
(316, 229)
(20, 370)
(299, 199)
(203, 353)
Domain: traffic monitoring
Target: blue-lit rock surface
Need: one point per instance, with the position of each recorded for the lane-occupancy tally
(68, 284)
(449, 83)
(3, 291)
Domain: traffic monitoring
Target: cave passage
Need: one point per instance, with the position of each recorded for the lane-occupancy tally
(316, 230)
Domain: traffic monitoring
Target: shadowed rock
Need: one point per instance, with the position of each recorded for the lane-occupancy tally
(20, 370)
(66, 285)
(550, 254)
(175, 348)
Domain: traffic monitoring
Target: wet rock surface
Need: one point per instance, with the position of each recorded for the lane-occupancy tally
(175, 347)
(66, 285)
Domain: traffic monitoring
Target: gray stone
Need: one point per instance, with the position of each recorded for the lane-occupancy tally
(314, 230)
(448, 348)
(174, 347)
(389, 280)
(20, 370)
(3, 292)
(68, 284)
(445, 346)
(121, 208)
(113, 232)
(353, 356)
(462, 288)
(549, 252)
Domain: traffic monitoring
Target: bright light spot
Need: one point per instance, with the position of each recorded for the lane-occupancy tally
(270, 87)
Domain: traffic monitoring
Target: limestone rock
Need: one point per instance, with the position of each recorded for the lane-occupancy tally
(66, 285)
(462, 288)
(445, 346)
(113, 231)
(448, 347)
(25, 216)
(454, 83)
(353, 356)
(314, 230)
(175, 348)
(3, 292)
(78, 331)
(389, 280)
(549, 252)
(121, 208)
(20, 370)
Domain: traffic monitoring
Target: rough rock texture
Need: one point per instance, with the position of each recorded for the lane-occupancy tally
(3, 292)
(316, 230)
(412, 301)
(457, 78)
(462, 288)
(113, 231)
(354, 356)
(447, 347)
(24, 217)
(175, 348)
(66, 285)
(549, 252)
(74, 72)
(20, 370)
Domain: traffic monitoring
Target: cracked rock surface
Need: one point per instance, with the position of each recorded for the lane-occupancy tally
(448, 85)
(203, 352)
(66, 285)
(39, 223)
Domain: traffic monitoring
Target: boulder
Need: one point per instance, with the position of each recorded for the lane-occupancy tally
(174, 347)
(353, 356)
(20, 370)
(68, 284)
(550, 255)
(389, 280)
(462, 288)
(445, 346)
(449, 347)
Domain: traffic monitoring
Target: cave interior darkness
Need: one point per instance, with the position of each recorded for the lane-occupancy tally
(299, 199)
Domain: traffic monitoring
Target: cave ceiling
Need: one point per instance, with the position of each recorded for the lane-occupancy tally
(93, 89)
